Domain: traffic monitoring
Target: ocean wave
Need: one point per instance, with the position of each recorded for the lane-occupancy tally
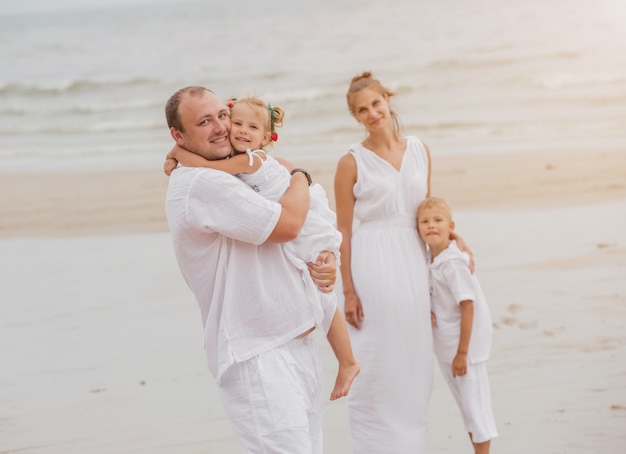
(304, 94)
(121, 107)
(100, 127)
(456, 129)
(482, 61)
(68, 86)
(562, 80)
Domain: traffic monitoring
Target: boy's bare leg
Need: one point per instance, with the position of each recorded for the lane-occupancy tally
(481, 448)
(349, 367)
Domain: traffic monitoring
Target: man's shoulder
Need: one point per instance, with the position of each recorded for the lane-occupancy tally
(203, 176)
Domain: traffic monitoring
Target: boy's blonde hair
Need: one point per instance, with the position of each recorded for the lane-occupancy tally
(435, 202)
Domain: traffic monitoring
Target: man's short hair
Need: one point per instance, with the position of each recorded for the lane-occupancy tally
(171, 107)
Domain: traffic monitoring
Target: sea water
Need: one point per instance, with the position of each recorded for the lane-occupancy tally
(83, 83)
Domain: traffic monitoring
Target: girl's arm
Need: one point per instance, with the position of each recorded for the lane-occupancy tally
(237, 164)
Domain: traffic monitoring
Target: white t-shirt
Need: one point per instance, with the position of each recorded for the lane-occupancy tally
(250, 295)
(451, 282)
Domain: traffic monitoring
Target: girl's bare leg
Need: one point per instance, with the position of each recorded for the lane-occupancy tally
(349, 367)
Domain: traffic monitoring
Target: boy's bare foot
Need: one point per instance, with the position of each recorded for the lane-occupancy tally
(345, 376)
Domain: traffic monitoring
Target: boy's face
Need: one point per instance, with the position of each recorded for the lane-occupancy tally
(434, 226)
(248, 129)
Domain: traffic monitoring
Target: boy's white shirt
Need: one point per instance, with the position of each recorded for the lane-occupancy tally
(451, 282)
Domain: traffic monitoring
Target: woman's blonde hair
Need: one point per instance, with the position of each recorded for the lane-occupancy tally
(366, 80)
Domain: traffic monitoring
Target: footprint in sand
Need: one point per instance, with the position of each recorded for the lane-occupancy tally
(529, 324)
(514, 308)
(508, 321)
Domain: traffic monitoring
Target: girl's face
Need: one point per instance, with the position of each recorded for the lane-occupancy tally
(248, 128)
(371, 109)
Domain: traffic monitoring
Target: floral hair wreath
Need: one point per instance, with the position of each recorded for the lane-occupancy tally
(231, 102)
(274, 133)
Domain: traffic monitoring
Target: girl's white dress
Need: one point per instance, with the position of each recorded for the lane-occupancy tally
(388, 401)
(318, 233)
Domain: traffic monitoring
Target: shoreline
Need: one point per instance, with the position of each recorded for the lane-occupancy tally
(132, 201)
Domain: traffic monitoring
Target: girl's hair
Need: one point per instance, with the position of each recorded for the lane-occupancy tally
(435, 202)
(366, 80)
(272, 115)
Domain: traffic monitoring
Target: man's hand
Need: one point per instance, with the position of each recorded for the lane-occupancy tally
(324, 271)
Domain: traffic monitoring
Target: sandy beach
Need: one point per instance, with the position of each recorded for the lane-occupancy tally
(101, 339)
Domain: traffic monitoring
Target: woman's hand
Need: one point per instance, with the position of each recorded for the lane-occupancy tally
(464, 248)
(353, 310)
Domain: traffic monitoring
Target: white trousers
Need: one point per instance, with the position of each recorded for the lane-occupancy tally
(473, 397)
(274, 401)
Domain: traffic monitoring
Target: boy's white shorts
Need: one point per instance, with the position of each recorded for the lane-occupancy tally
(473, 398)
(274, 401)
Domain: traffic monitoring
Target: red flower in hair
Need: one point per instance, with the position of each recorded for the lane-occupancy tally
(230, 104)
(274, 136)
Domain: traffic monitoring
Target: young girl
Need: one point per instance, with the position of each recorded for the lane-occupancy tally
(253, 127)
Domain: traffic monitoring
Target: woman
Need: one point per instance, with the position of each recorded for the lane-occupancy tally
(381, 181)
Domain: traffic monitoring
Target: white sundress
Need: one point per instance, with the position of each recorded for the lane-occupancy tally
(388, 402)
(318, 233)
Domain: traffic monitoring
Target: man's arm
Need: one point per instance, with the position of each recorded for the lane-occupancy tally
(295, 205)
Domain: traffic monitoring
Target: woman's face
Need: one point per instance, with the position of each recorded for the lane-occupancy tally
(371, 109)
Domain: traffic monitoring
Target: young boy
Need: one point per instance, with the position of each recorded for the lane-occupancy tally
(462, 329)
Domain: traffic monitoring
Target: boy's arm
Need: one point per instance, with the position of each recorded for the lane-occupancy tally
(459, 364)
(237, 164)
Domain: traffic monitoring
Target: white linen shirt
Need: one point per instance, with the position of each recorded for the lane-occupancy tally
(251, 297)
(451, 282)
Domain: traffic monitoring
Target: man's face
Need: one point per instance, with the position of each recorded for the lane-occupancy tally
(207, 126)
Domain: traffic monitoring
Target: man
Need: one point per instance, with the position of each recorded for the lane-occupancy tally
(256, 317)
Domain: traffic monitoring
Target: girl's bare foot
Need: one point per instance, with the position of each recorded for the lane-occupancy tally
(345, 376)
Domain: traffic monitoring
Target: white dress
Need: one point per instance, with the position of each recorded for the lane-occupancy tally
(388, 402)
(319, 232)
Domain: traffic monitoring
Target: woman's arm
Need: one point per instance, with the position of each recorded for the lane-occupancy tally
(429, 170)
(345, 179)
(460, 242)
(239, 163)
